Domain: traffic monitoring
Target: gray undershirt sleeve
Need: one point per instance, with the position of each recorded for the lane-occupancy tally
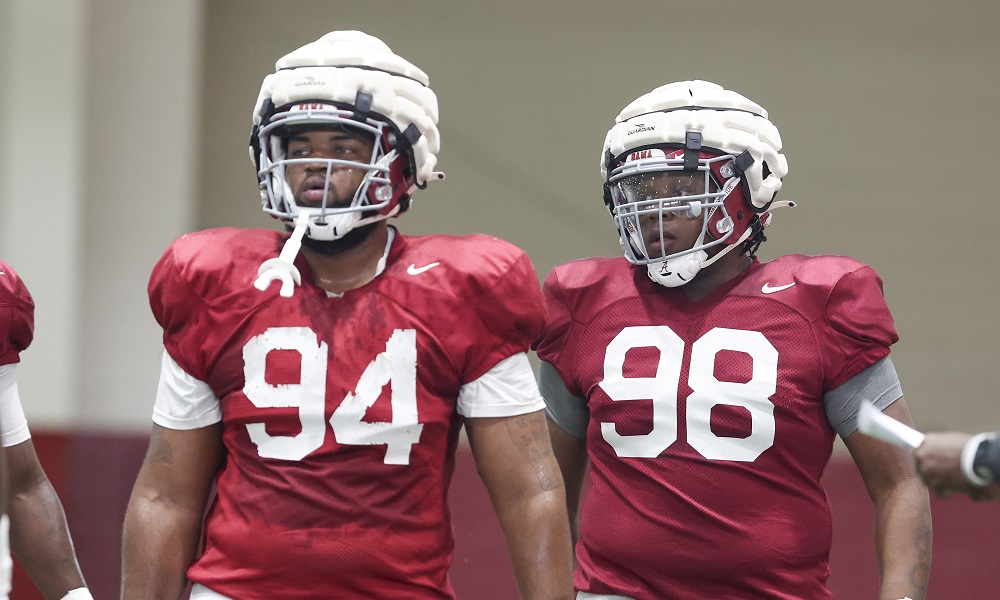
(878, 383)
(569, 412)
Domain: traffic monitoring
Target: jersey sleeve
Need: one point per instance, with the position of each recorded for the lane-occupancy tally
(858, 326)
(181, 312)
(511, 314)
(508, 389)
(557, 344)
(17, 316)
(183, 402)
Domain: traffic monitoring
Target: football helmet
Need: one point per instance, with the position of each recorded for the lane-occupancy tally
(691, 149)
(352, 81)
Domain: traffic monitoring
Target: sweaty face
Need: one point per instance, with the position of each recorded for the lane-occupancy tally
(665, 206)
(311, 181)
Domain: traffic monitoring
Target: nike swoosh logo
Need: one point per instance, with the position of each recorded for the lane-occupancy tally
(767, 289)
(415, 270)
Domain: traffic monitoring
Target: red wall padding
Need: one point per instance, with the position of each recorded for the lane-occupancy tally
(93, 474)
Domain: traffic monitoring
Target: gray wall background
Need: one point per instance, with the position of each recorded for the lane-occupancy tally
(124, 124)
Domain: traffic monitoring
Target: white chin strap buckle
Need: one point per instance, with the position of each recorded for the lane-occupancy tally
(676, 271)
(282, 267)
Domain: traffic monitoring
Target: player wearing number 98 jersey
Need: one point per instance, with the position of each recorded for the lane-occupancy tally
(705, 387)
(319, 377)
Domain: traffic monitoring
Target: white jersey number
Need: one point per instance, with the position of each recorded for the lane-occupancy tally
(397, 366)
(707, 392)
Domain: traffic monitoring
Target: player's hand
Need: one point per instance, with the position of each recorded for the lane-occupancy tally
(986, 494)
(938, 461)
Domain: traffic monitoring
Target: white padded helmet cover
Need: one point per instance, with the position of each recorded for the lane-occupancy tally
(341, 63)
(727, 121)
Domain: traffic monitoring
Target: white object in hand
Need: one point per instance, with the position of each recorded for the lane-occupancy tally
(873, 422)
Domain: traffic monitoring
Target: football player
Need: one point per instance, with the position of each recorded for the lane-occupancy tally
(35, 519)
(319, 378)
(704, 387)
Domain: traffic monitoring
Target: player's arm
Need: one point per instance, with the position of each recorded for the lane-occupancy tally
(39, 535)
(902, 511)
(164, 515)
(514, 458)
(510, 443)
(568, 417)
(6, 564)
(38, 532)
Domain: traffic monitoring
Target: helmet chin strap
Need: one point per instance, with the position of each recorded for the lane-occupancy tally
(677, 271)
(333, 227)
(283, 267)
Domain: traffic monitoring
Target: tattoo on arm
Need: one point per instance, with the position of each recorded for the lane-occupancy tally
(921, 570)
(160, 451)
(529, 433)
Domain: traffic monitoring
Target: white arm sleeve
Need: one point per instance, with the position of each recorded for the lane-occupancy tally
(13, 425)
(183, 402)
(508, 389)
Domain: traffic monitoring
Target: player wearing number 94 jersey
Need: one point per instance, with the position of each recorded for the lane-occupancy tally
(706, 386)
(319, 377)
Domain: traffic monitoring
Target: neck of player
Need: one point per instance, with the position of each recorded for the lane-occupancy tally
(349, 267)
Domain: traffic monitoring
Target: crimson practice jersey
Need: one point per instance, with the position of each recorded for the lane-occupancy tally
(17, 310)
(707, 435)
(339, 413)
